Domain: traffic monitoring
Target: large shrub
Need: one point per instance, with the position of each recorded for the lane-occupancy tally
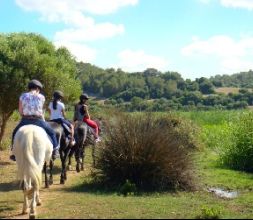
(152, 152)
(238, 152)
(25, 56)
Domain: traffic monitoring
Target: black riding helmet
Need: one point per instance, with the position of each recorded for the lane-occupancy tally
(84, 97)
(58, 94)
(34, 84)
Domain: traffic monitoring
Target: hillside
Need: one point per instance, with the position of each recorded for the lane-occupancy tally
(238, 80)
(131, 91)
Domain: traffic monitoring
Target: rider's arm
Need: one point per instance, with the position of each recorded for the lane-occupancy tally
(49, 108)
(63, 112)
(20, 108)
(86, 110)
(75, 117)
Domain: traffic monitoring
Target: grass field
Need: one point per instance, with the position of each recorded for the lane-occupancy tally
(80, 199)
(227, 90)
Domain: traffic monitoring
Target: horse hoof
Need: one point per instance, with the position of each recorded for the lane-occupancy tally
(32, 216)
(25, 212)
(78, 169)
(51, 182)
(47, 186)
(39, 203)
(62, 182)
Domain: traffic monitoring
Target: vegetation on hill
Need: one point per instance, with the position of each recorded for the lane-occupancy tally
(152, 90)
(239, 80)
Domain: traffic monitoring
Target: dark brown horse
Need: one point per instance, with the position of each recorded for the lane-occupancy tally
(85, 137)
(64, 151)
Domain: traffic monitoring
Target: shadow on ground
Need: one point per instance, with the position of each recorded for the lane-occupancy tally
(6, 207)
(88, 186)
(7, 187)
(5, 163)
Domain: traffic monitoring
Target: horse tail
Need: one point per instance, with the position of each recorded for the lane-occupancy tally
(28, 169)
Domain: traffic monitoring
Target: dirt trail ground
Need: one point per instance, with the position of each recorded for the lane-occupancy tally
(9, 189)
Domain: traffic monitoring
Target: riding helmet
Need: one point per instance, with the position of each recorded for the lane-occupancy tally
(34, 84)
(58, 94)
(84, 97)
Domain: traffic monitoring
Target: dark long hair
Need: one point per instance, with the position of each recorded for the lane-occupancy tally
(55, 100)
(57, 96)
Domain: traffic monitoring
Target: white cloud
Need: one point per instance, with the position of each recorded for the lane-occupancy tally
(247, 4)
(232, 55)
(80, 51)
(90, 33)
(235, 65)
(72, 11)
(222, 46)
(82, 28)
(133, 61)
(244, 4)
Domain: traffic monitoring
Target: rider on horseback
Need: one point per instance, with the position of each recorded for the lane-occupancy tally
(31, 110)
(82, 114)
(56, 109)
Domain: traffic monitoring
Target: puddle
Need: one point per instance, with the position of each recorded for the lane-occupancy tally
(223, 194)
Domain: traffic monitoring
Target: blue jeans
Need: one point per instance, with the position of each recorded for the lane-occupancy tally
(41, 123)
(63, 122)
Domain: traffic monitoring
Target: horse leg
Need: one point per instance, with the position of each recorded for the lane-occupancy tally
(62, 180)
(51, 181)
(33, 206)
(70, 160)
(46, 178)
(94, 155)
(65, 163)
(38, 200)
(83, 156)
(25, 205)
(77, 155)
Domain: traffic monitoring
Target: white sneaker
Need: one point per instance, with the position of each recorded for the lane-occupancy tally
(98, 140)
(73, 143)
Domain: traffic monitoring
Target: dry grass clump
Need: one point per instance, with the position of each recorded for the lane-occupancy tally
(154, 153)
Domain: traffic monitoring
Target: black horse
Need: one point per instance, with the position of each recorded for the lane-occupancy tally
(85, 137)
(64, 151)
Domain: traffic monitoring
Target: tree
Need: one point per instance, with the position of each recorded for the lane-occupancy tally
(206, 87)
(27, 56)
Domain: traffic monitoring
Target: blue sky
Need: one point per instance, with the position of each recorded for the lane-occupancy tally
(193, 37)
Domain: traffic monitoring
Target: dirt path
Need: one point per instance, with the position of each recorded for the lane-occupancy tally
(9, 189)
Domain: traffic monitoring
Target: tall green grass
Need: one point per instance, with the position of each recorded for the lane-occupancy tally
(238, 152)
(209, 118)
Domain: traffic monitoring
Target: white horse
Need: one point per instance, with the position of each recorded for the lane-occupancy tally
(32, 148)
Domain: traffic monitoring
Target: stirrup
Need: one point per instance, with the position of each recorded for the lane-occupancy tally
(13, 158)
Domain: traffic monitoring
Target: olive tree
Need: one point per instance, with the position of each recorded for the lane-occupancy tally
(26, 56)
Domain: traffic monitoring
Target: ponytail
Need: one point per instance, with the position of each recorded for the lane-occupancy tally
(55, 104)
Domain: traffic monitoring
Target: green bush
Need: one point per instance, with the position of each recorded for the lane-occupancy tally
(128, 189)
(152, 152)
(238, 154)
(209, 213)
